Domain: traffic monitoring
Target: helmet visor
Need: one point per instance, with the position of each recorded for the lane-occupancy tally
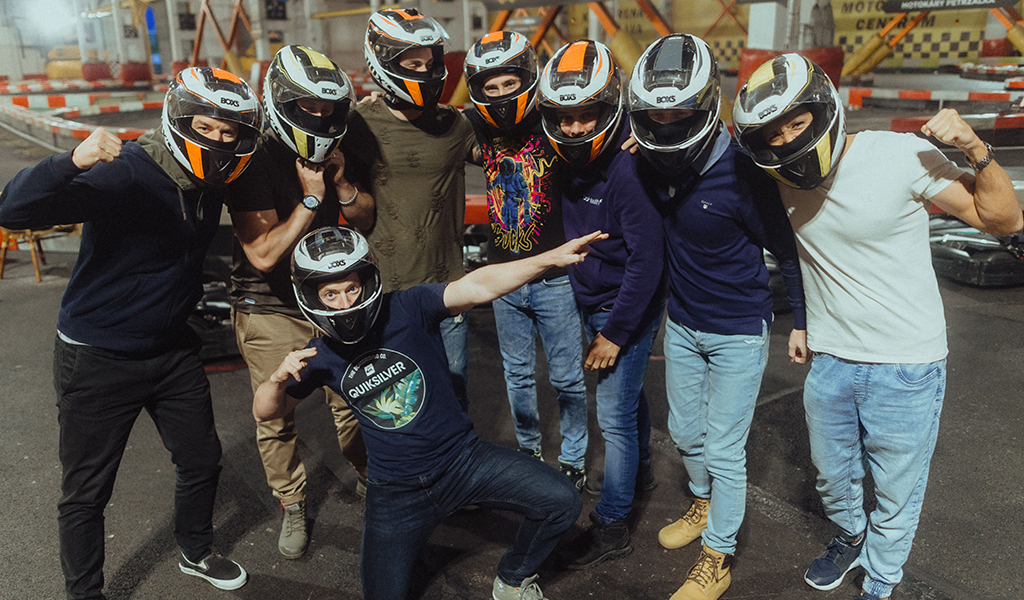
(668, 127)
(822, 119)
(329, 125)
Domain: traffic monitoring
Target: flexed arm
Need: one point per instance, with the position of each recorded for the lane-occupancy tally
(986, 199)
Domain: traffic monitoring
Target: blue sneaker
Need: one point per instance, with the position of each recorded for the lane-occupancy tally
(827, 571)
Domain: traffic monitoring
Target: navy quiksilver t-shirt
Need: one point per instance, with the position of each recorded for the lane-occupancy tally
(397, 382)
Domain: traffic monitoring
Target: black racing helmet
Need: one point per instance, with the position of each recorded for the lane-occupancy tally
(331, 254)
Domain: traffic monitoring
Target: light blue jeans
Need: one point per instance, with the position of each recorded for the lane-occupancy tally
(623, 414)
(882, 417)
(454, 336)
(712, 382)
(547, 307)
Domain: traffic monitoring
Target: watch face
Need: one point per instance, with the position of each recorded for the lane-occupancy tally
(311, 202)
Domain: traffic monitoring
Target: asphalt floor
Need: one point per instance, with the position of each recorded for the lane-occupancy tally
(965, 546)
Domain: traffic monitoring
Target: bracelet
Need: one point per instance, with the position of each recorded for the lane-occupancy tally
(981, 164)
(352, 199)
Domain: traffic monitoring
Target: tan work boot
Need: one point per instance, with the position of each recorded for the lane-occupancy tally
(293, 540)
(708, 579)
(687, 529)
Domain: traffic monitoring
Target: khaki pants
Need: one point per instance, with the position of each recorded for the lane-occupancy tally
(264, 341)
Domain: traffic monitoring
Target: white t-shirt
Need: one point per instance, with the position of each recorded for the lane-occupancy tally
(870, 287)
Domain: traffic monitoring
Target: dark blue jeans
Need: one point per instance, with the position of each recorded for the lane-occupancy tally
(99, 396)
(401, 515)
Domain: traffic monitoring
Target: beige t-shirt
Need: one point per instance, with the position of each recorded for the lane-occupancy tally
(418, 181)
(869, 284)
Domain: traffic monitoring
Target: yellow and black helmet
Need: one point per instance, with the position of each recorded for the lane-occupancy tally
(297, 73)
(778, 88)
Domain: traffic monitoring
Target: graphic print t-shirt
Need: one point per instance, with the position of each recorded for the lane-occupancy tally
(397, 383)
(524, 196)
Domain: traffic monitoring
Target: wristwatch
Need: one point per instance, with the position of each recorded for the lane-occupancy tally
(311, 202)
(981, 164)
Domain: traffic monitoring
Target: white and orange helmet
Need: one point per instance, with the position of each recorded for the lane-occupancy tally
(214, 93)
(582, 73)
(389, 33)
(499, 53)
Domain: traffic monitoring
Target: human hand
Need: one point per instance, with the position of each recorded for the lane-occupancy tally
(334, 168)
(311, 176)
(373, 97)
(293, 366)
(798, 352)
(630, 144)
(601, 354)
(574, 251)
(949, 128)
(100, 146)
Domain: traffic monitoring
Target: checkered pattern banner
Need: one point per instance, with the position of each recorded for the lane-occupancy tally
(727, 50)
(925, 48)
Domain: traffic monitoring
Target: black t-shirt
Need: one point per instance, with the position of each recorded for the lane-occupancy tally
(524, 190)
(271, 183)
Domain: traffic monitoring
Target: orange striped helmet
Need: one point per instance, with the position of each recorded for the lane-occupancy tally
(502, 53)
(391, 32)
(581, 77)
(215, 94)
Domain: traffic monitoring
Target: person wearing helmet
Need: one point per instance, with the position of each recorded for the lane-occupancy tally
(524, 197)
(720, 212)
(414, 152)
(298, 182)
(859, 204)
(619, 288)
(383, 352)
(150, 209)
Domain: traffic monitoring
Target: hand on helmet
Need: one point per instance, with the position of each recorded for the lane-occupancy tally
(100, 146)
(311, 176)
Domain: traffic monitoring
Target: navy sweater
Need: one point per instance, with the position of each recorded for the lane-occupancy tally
(145, 234)
(716, 226)
(622, 273)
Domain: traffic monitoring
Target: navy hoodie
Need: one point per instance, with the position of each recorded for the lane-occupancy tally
(146, 231)
(621, 274)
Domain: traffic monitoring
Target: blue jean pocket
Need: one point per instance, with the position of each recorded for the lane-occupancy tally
(917, 374)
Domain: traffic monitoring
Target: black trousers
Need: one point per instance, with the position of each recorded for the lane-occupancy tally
(100, 393)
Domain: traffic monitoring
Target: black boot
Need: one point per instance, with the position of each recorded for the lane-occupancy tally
(599, 543)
